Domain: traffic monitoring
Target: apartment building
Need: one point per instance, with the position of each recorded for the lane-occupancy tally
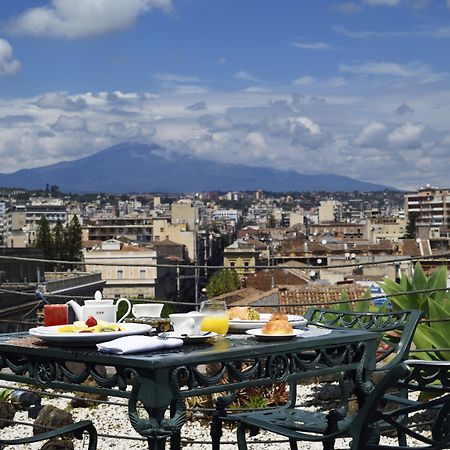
(431, 206)
(386, 228)
(330, 211)
(130, 271)
(137, 228)
(241, 254)
(339, 230)
(21, 222)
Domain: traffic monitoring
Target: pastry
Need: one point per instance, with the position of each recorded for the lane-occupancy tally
(278, 315)
(243, 313)
(277, 327)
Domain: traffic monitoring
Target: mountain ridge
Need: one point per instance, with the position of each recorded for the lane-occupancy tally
(138, 168)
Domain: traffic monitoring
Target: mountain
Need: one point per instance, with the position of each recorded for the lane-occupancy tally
(131, 167)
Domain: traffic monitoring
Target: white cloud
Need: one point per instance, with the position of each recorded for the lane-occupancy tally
(256, 90)
(70, 123)
(312, 45)
(8, 65)
(308, 124)
(60, 100)
(383, 2)
(82, 18)
(422, 72)
(372, 135)
(175, 78)
(256, 140)
(347, 7)
(367, 34)
(407, 135)
(244, 75)
(304, 81)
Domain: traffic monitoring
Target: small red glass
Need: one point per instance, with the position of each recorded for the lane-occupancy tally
(56, 315)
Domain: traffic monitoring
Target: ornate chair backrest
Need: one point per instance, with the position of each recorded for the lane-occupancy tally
(408, 418)
(396, 330)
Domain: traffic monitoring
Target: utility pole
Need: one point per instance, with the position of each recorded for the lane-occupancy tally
(271, 264)
(196, 270)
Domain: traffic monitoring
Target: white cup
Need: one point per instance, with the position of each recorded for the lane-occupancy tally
(187, 323)
(147, 309)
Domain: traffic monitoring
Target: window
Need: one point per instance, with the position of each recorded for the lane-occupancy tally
(120, 274)
(140, 296)
(142, 273)
(232, 263)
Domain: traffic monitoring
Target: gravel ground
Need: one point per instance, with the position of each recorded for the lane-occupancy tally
(113, 420)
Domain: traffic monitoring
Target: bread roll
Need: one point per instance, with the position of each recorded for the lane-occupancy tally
(279, 316)
(277, 327)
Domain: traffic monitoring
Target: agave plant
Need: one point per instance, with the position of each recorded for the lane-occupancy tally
(434, 331)
(361, 305)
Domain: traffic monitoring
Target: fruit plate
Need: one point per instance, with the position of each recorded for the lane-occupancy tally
(241, 326)
(51, 334)
(258, 334)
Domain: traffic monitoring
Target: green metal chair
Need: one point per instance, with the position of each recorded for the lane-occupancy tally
(75, 429)
(396, 331)
(376, 418)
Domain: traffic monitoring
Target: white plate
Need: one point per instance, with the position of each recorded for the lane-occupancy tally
(237, 325)
(51, 334)
(257, 332)
(193, 338)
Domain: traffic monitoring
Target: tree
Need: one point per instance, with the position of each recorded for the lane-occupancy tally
(59, 244)
(73, 240)
(44, 239)
(222, 282)
(411, 226)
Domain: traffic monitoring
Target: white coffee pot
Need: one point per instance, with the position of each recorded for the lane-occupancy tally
(101, 309)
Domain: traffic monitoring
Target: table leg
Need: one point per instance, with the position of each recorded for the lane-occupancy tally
(156, 429)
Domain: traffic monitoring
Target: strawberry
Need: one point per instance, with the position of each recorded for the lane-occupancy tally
(91, 321)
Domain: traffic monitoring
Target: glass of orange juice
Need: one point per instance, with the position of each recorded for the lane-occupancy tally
(216, 318)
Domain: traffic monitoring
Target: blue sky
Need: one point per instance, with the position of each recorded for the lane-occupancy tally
(358, 88)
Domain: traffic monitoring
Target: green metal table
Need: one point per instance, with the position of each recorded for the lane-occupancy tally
(163, 380)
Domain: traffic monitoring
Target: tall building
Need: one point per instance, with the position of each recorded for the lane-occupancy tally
(431, 207)
(330, 211)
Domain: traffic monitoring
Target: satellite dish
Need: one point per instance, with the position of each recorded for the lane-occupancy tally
(323, 241)
(312, 273)
(347, 255)
(418, 240)
(319, 261)
(353, 256)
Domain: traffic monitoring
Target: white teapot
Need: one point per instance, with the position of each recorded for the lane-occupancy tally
(101, 309)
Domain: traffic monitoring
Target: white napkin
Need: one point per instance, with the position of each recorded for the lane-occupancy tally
(136, 344)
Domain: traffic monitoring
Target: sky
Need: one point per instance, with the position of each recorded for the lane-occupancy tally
(358, 88)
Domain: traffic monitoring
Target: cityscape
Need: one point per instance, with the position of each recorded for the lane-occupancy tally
(252, 231)
(224, 225)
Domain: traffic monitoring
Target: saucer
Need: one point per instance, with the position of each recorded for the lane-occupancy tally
(258, 334)
(192, 338)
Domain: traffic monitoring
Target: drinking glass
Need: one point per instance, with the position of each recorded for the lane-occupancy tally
(216, 317)
(55, 315)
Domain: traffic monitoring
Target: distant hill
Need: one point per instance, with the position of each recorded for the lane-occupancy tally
(131, 167)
